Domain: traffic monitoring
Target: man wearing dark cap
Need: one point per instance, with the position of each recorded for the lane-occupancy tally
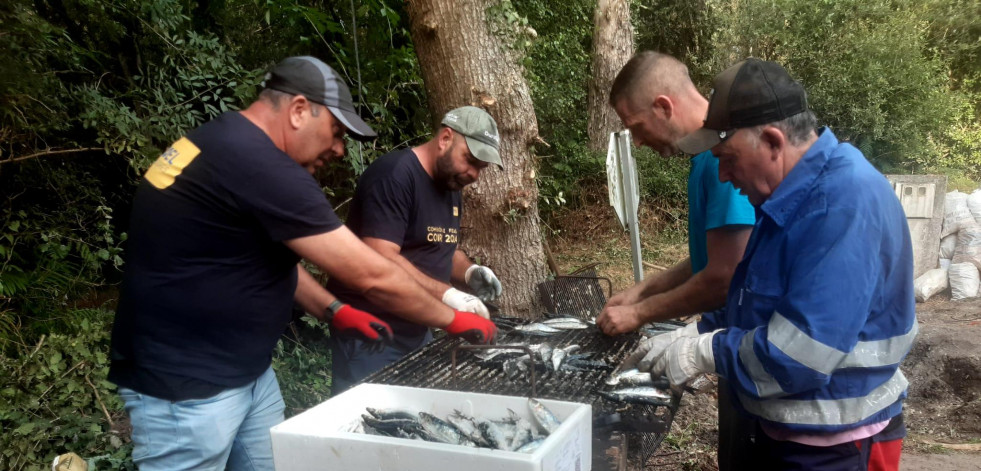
(408, 208)
(820, 312)
(219, 224)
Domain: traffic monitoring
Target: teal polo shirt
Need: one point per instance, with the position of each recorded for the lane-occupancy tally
(711, 205)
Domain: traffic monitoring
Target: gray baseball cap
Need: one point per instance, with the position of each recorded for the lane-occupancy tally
(480, 131)
(312, 78)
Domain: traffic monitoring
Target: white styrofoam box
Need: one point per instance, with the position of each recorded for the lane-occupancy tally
(317, 439)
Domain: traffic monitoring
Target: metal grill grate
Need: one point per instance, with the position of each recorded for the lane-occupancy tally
(579, 295)
(431, 367)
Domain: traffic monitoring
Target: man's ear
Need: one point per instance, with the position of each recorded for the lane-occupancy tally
(774, 140)
(444, 139)
(664, 106)
(299, 110)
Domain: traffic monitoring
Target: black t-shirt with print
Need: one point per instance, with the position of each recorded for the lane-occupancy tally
(208, 284)
(396, 200)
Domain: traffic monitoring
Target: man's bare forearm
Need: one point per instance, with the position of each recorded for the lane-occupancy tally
(668, 279)
(700, 293)
(383, 282)
(312, 297)
(461, 262)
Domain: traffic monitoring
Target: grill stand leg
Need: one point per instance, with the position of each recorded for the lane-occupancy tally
(610, 452)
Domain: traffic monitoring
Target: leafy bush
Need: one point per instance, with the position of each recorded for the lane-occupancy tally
(79, 123)
(865, 65)
(302, 364)
(55, 399)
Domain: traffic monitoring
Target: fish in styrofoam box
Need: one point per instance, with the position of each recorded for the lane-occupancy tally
(323, 437)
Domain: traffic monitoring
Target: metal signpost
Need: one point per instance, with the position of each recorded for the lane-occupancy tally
(621, 173)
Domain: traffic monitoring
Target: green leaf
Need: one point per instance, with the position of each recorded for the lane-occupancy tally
(24, 429)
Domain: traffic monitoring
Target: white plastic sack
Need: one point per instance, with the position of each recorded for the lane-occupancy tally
(947, 246)
(945, 263)
(929, 284)
(974, 205)
(968, 246)
(964, 280)
(956, 213)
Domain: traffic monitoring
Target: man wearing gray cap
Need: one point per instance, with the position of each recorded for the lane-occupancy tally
(408, 207)
(219, 224)
(820, 311)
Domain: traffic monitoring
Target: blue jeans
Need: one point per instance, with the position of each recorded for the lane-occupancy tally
(231, 428)
(351, 362)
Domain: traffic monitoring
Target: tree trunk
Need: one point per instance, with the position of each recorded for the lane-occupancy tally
(464, 63)
(613, 45)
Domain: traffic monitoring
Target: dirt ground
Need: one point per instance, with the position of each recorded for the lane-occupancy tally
(943, 411)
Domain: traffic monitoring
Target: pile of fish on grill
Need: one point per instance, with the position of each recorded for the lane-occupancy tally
(633, 385)
(549, 357)
(511, 433)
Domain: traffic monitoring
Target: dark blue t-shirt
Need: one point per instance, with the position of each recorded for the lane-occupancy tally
(396, 200)
(208, 284)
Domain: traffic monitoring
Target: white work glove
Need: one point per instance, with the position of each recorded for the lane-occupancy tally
(461, 301)
(654, 346)
(484, 282)
(684, 360)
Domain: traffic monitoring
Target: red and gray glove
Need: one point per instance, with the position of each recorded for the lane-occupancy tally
(347, 320)
(472, 328)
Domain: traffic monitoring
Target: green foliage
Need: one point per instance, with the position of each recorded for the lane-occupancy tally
(302, 364)
(55, 395)
(864, 64)
(557, 70)
(681, 28)
(383, 70)
(52, 400)
(954, 32)
(79, 123)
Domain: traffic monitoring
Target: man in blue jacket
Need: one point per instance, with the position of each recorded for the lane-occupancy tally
(820, 312)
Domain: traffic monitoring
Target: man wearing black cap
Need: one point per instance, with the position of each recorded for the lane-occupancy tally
(408, 208)
(219, 222)
(820, 312)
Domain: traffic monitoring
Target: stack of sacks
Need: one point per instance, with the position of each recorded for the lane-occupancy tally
(960, 250)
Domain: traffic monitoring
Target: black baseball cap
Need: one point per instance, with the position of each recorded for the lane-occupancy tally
(750, 93)
(319, 83)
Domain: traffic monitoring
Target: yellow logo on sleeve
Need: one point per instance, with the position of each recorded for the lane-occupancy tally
(171, 163)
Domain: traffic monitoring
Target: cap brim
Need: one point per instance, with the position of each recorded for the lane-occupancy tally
(484, 152)
(360, 130)
(699, 141)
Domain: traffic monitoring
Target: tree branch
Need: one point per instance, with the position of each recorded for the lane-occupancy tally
(48, 152)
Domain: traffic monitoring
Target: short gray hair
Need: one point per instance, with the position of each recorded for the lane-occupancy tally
(798, 128)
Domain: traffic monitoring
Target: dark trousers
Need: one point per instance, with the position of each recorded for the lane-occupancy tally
(736, 432)
(879, 452)
(351, 362)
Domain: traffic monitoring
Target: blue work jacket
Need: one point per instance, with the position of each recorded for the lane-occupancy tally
(820, 311)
